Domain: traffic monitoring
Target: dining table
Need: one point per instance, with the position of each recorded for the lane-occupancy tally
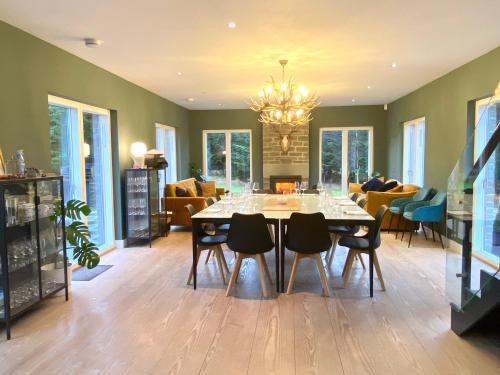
(277, 209)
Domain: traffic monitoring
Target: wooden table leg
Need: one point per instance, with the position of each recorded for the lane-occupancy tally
(277, 245)
(195, 248)
(370, 257)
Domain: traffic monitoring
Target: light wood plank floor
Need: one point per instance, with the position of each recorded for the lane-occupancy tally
(139, 317)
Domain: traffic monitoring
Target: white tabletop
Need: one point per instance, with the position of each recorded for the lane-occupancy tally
(334, 208)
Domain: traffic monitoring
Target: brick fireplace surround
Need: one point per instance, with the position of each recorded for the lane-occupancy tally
(276, 163)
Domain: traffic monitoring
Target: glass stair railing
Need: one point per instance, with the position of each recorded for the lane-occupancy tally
(473, 216)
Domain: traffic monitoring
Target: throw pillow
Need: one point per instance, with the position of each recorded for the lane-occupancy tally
(190, 193)
(181, 192)
(208, 189)
(372, 185)
(199, 190)
(391, 184)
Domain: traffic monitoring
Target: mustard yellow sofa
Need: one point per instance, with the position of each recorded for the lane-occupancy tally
(176, 205)
(375, 199)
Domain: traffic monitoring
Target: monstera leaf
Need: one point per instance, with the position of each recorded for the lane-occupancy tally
(87, 255)
(77, 233)
(75, 209)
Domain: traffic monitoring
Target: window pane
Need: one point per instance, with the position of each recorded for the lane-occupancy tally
(98, 177)
(358, 154)
(331, 159)
(240, 160)
(216, 158)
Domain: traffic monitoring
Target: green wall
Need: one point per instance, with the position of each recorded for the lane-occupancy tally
(323, 117)
(444, 104)
(30, 69)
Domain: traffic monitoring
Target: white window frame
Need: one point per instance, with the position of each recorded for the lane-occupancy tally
(415, 123)
(80, 108)
(173, 160)
(227, 133)
(345, 147)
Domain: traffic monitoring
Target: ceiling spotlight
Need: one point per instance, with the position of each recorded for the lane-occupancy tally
(93, 42)
(368, 87)
(394, 65)
(220, 105)
(353, 100)
(190, 99)
(231, 25)
(179, 73)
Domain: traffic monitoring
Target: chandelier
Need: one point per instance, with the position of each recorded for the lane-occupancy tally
(282, 104)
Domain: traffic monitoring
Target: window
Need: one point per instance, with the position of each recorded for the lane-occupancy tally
(227, 157)
(414, 151)
(485, 232)
(345, 155)
(80, 146)
(165, 142)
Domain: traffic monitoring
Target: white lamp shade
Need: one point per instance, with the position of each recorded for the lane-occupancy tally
(138, 149)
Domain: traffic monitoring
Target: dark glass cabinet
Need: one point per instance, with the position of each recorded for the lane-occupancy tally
(142, 200)
(32, 246)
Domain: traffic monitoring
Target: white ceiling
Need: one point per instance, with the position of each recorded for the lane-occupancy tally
(335, 47)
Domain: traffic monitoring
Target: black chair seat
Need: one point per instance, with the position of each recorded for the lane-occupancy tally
(353, 242)
(343, 229)
(212, 240)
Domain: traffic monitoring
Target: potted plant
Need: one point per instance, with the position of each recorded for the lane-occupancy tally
(85, 252)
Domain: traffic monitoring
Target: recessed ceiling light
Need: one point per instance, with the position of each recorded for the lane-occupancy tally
(220, 105)
(179, 73)
(231, 25)
(368, 87)
(93, 42)
(190, 99)
(353, 100)
(394, 65)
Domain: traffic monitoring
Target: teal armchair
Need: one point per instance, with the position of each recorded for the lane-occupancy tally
(397, 206)
(429, 211)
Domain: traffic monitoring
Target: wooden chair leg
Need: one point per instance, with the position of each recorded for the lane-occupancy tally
(411, 234)
(224, 263)
(208, 256)
(379, 272)
(293, 273)
(359, 256)
(191, 272)
(432, 229)
(219, 264)
(332, 253)
(441, 240)
(266, 269)
(398, 225)
(234, 275)
(390, 223)
(261, 274)
(423, 230)
(348, 265)
(322, 275)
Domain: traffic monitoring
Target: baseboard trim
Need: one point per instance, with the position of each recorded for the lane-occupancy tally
(120, 244)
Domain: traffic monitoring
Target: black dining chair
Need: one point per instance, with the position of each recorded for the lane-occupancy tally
(249, 237)
(307, 235)
(211, 243)
(344, 230)
(354, 197)
(358, 245)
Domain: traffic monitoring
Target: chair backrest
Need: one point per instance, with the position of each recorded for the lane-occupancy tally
(354, 197)
(210, 201)
(191, 209)
(379, 216)
(249, 234)
(310, 191)
(307, 233)
(362, 202)
(438, 199)
(422, 194)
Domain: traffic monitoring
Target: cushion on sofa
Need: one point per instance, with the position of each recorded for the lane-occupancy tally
(181, 192)
(372, 185)
(389, 185)
(207, 189)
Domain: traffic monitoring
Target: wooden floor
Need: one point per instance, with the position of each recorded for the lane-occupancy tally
(139, 317)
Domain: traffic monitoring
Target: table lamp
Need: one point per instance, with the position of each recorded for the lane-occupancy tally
(138, 149)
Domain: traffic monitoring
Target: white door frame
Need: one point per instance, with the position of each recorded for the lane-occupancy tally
(174, 129)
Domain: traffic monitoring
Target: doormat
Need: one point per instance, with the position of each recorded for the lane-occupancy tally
(85, 274)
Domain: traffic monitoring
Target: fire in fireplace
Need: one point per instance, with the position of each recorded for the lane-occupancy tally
(283, 184)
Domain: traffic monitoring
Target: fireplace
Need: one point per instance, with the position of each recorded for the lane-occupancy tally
(284, 184)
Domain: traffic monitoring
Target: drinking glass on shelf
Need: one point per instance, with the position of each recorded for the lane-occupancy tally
(297, 187)
(255, 187)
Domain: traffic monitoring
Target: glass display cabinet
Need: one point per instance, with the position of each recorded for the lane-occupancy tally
(32, 246)
(142, 201)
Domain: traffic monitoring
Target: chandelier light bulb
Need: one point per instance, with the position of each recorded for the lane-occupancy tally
(261, 93)
(269, 90)
(278, 114)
